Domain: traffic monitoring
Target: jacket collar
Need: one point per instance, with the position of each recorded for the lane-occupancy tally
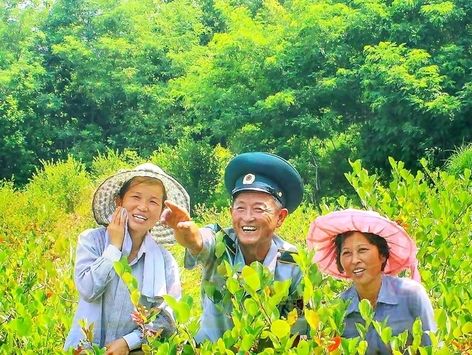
(387, 295)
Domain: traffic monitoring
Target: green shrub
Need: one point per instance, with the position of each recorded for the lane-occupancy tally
(112, 161)
(60, 184)
(40, 224)
(460, 160)
(196, 165)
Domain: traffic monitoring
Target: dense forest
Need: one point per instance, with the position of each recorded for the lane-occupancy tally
(318, 82)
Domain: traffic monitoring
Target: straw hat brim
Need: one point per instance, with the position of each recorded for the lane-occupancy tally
(103, 204)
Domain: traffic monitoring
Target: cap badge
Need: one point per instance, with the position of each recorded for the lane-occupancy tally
(249, 179)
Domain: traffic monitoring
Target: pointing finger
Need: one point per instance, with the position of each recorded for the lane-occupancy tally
(177, 211)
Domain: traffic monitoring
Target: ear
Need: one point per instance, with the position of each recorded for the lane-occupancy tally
(283, 213)
(383, 258)
(118, 201)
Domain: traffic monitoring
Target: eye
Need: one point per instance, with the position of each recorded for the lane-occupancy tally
(346, 253)
(361, 250)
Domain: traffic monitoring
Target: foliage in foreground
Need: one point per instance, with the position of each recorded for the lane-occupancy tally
(40, 224)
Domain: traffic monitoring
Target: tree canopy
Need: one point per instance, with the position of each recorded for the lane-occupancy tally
(315, 81)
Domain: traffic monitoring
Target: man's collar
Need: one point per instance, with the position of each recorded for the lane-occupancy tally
(270, 261)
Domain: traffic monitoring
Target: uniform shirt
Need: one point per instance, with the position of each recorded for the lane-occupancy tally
(104, 297)
(214, 323)
(401, 301)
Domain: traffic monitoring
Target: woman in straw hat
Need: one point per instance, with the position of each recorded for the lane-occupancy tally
(370, 250)
(128, 205)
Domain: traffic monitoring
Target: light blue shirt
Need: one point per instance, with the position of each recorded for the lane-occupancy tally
(214, 323)
(401, 301)
(104, 297)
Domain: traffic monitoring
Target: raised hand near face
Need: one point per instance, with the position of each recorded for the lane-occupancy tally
(116, 228)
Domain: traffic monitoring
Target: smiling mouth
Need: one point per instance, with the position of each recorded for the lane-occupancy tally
(140, 217)
(248, 229)
(358, 271)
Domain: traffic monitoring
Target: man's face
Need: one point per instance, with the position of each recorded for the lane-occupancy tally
(255, 217)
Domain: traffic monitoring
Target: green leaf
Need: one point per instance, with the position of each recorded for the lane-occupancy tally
(366, 311)
(130, 281)
(135, 297)
(181, 308)
(232, 285)
(386, 334)
(23, 326)
(119, 268)
(251, 278)
(417, 329)
(307, 289)
(280, 328)
(147, 349)
(362, 347)
(247, 342)
(467, 328)
(220, 248)
(312, 318)
(251, 307)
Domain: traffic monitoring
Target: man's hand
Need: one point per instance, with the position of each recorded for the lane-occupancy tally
(116, 228)
(117, 347)
(186, 231)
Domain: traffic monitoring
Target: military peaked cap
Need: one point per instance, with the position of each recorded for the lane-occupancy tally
(265, 172)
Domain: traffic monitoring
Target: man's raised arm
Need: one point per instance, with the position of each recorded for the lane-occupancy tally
(186, 231)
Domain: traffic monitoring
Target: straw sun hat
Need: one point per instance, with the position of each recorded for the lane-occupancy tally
(324, 229)
(103, 204)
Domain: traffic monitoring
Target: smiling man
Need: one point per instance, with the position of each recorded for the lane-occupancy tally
(265, 188)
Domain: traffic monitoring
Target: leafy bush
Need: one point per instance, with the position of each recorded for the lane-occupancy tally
(59, 184)
(40, 224)
(104, 165)
(460, 160)
(196, 165)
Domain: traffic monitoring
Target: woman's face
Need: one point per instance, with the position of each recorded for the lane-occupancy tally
(361, 260)
(144, 203)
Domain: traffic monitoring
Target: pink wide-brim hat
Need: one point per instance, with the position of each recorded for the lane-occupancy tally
(324, 229)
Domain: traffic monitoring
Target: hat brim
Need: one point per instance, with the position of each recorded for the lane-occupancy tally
(324, 229)
(103, 204)
(271, 166)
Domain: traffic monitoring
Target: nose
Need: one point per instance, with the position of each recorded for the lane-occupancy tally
(355, 257)
(143, 206)
(248, 215)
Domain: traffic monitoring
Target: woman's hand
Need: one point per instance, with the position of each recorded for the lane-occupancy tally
(186, 231)
(116, 228)
(117, 347)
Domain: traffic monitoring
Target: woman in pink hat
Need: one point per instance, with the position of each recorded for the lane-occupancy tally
(370, 250)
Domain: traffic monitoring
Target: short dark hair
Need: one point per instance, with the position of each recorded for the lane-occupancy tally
(373, 239)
